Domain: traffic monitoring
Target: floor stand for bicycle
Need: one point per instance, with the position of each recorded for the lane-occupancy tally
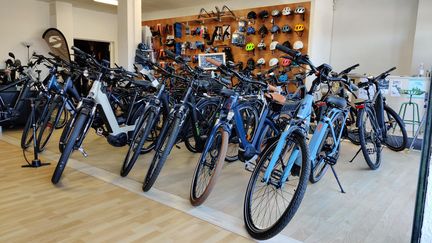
(36, 162)
(337, 178)
(355, 156)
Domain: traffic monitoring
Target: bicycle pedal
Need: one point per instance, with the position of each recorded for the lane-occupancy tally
(83, 152)
(330, 160)
(99, 131)
(250, 164)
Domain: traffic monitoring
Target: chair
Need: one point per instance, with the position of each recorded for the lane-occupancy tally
(415, 108)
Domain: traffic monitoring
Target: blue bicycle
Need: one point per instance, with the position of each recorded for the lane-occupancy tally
(234, 110)
(279, 180)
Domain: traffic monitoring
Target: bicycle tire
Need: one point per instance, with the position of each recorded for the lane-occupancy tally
(292, 207)
(389, 111)
(372, 163)
(189, 137)
(162, 151)
(43, 140)
(62, 124)
(65, 134)
(144, 129)
(77, 130)
(216, 168)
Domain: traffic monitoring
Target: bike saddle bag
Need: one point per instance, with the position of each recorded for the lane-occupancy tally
(336, 101)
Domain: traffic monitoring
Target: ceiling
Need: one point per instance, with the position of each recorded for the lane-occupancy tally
(147, 5)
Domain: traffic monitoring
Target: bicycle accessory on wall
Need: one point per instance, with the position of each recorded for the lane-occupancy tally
(263, 31)
(275, 29)
(242, 26)
(226, 32)
(286, 29)
(283, 78)
(252, 16)
(250, 30)
(261, 61)
(262, 45)
(178, 30)
(250, 46)
(273, 62)
(301, 11)
(264, 14)
(287, 44)
(298, 45)
(276, 13)
(299, 28)
(286, 11)
(238, 39)
(250, 64)
(273, 45)
(286, 62)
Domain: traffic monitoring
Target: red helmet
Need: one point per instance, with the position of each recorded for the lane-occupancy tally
(286, 62)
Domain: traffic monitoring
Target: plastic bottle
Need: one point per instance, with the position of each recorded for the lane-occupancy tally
(421, 70)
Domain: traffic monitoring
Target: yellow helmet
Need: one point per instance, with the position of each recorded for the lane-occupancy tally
(299, 27)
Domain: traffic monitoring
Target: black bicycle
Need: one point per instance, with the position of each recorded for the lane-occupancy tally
(378, 124)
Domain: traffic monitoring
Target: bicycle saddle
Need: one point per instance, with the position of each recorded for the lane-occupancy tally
(336, 101)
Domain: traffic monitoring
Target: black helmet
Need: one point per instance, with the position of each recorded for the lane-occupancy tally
(251, 15)
(251, 64)
(286, 29)
(263, 14)
(287, 44)
(263, 30)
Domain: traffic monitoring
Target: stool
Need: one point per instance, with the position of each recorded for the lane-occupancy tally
(415, 108)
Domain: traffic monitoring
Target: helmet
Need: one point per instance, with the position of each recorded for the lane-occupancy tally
(261, 45)
(276, 13)
(299, 27)
(263, 30)
(273, 45)
(287, 44)
(286, 29)
(250, 30)
(286, 62)
(250, 46)
(170, 42)
(261, 61)
(250, 64)
(300, 10)
(251, 15)
(273, 62)
(275, 29)
(283, 78)
(298, 45)
(286, 11)
(263, 14)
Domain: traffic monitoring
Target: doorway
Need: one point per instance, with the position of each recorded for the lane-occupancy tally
(100, 50)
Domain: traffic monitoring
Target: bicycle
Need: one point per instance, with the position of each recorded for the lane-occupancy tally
(180, 116)
(378, 124)
(280, 177)
(96, 102)
(210, 163)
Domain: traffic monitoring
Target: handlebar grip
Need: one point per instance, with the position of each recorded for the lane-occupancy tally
(391, 70)
(77, 50)
(213, 61)
(288, 51)
(170, 54)
(53, 55)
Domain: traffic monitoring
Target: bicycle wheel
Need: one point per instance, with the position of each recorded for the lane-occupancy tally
(163, 149)
(66, 134)
(137, 143)
(206, 117)
(397, 137)
(276, 203)
(76, 131)
(49, 123)
(63, 119)
(369, 139)
(208, 167)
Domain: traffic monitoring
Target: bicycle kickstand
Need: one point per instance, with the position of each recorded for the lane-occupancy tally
(355, 156)
(337, 179)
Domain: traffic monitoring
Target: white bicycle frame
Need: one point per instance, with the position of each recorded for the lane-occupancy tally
(101, 98)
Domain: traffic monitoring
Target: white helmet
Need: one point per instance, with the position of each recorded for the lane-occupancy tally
(300, 10)
(286, 11)
(298, 45)
(273, 45)
(261, 61)
(273, 62)
(261, 45)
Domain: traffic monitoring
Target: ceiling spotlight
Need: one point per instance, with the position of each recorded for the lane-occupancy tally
(112, 2)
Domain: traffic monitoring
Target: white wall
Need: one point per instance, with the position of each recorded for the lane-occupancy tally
(22, 20)
(423, 36)
(376, 34)
(96, 26)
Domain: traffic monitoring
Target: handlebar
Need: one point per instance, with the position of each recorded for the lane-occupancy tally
(348, 70)
(288, 51)
(385, 74)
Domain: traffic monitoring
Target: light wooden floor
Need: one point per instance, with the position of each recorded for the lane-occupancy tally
(378, 205)
(87, 210)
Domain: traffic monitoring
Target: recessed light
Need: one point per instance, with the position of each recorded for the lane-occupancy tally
(112, 2)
